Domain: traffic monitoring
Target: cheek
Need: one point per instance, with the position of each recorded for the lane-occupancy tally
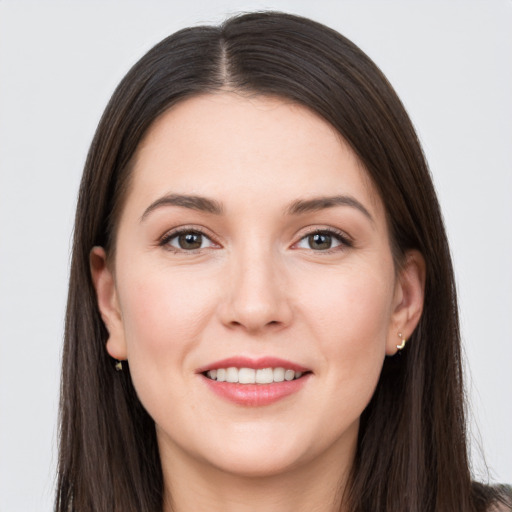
(164, 313)
(350, 314)
(354, 304)
(164, 316)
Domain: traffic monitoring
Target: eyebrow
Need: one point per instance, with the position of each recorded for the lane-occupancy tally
(204, 204)
(321, 203)
(199, 203)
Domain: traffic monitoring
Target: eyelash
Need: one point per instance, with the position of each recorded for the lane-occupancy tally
(341, 237)
(344, 241)
(165, 240)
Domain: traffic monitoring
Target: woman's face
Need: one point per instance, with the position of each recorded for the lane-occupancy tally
(251, 238)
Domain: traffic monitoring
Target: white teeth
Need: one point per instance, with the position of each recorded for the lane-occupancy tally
(232, 375)
(264, 376)
(278, 374)
(252, 376)
(247, 375)
(289, 375)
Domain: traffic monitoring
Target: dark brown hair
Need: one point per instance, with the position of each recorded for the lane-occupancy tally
(411, 453)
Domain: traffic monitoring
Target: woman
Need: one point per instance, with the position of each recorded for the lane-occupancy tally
(262, 309)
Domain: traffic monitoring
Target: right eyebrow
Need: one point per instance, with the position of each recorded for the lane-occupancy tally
(198, 203)
(321, 203)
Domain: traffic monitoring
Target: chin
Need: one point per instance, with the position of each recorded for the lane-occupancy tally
(261, 453)
(257, 464)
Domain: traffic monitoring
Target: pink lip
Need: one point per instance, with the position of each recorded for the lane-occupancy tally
(257, 364)
(255, 395)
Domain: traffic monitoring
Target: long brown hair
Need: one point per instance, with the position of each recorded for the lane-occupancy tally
(412, 453)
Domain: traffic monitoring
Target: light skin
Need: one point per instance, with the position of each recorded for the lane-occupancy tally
(273, 273)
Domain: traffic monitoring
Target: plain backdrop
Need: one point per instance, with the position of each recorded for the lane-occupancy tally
(450, 62)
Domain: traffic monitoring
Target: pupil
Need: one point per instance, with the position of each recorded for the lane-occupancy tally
(190, 241)
(320, 241)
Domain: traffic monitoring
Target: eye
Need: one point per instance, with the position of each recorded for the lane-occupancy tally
(186, 240)
(323, 241)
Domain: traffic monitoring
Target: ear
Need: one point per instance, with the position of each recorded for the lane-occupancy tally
(408, 300)
(108, 303)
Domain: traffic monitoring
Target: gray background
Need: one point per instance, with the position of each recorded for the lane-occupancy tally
(451, 63)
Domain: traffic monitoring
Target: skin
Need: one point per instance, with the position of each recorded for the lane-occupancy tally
(256, 287)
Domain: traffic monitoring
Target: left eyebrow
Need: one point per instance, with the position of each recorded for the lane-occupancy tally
(320, 203)
(199, 203)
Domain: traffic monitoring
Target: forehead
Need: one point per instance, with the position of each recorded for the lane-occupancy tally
(235, 146)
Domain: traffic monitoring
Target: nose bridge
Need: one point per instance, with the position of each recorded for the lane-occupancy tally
(255, 296)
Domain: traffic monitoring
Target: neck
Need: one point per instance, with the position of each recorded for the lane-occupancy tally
(317, 486)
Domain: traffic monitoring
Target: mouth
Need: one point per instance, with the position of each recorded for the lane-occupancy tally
(260, 376)
(254, 382)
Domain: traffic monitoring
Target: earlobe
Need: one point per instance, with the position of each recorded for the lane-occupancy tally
(409, 298)
(108, 304)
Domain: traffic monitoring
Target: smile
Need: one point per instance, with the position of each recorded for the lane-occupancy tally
(255, 382)
(253, 376)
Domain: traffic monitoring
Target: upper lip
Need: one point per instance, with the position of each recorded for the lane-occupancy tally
(256, 363)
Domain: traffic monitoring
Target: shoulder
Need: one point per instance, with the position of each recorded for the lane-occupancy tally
(500, 507)
(503, 499)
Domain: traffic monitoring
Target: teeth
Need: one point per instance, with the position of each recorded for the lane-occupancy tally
(251, 376)
(232, 375)
(289, 375)
(264, 376)
(278, 374)
(247, 376)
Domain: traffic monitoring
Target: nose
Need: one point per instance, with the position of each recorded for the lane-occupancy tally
(256, 297)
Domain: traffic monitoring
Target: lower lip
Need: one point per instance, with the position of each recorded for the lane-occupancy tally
(256, 395)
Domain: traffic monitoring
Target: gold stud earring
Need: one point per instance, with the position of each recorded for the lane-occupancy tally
(403, 340)
(119, 366)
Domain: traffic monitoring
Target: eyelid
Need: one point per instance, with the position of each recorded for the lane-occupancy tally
(345, 240)
(163, 241)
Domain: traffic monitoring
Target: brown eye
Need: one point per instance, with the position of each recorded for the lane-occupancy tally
(323, 241)
(190, 241)
(320, 241)
(187, 241)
